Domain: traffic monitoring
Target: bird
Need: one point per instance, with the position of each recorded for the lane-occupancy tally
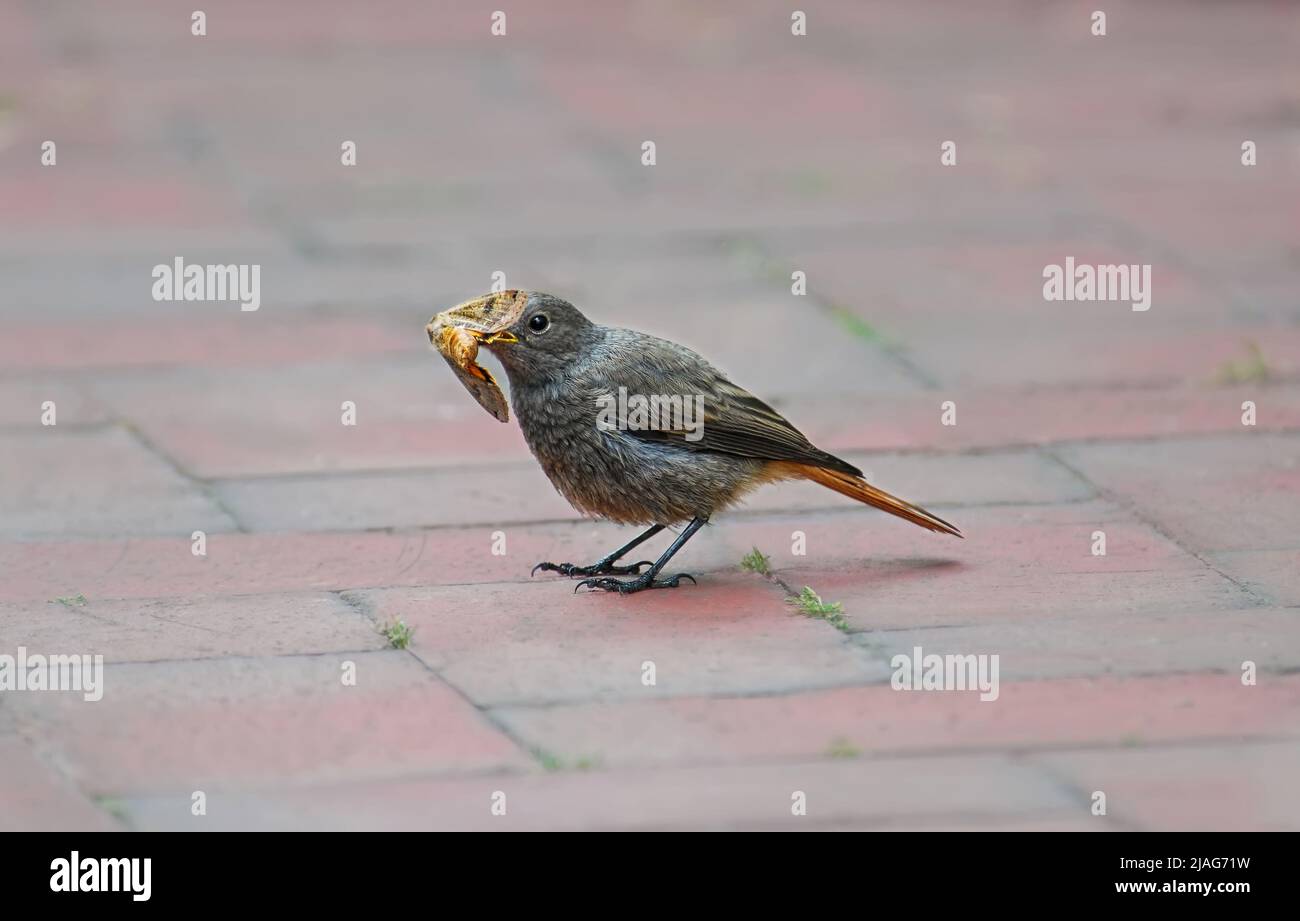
(580, 391)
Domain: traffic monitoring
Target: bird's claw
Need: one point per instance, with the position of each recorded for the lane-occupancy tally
(596, 569)
(634, 585)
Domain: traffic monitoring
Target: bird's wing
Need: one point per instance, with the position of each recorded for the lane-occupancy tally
(735, 421)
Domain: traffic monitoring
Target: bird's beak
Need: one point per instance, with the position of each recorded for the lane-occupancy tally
(488, 318)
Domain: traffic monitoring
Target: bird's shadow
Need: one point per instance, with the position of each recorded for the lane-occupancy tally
(889, 569)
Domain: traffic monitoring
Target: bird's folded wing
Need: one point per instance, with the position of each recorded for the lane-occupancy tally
(735, 422)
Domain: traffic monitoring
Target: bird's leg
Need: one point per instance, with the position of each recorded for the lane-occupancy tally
(647, 579)
(606, 564)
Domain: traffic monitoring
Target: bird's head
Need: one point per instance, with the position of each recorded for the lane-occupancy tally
(534, 335)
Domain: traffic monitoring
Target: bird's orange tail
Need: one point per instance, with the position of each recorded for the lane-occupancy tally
(858, 488)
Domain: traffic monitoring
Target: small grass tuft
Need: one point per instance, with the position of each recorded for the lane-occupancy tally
(71, 601)
(755, 561)
(811, 605)
(113, 806)
(1254, 369)
(854, 324)
(549, 760)
(841, 747)
(553, 763)
(397, 633)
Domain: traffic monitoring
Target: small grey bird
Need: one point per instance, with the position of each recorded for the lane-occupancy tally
(578, 389)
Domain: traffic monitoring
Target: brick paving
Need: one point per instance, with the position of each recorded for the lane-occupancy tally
(1120, 674)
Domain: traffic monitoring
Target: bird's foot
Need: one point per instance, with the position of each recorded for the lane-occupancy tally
(627, 587)
(604, 567)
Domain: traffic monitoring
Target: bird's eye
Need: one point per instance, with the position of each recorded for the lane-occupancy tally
(539, 323)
